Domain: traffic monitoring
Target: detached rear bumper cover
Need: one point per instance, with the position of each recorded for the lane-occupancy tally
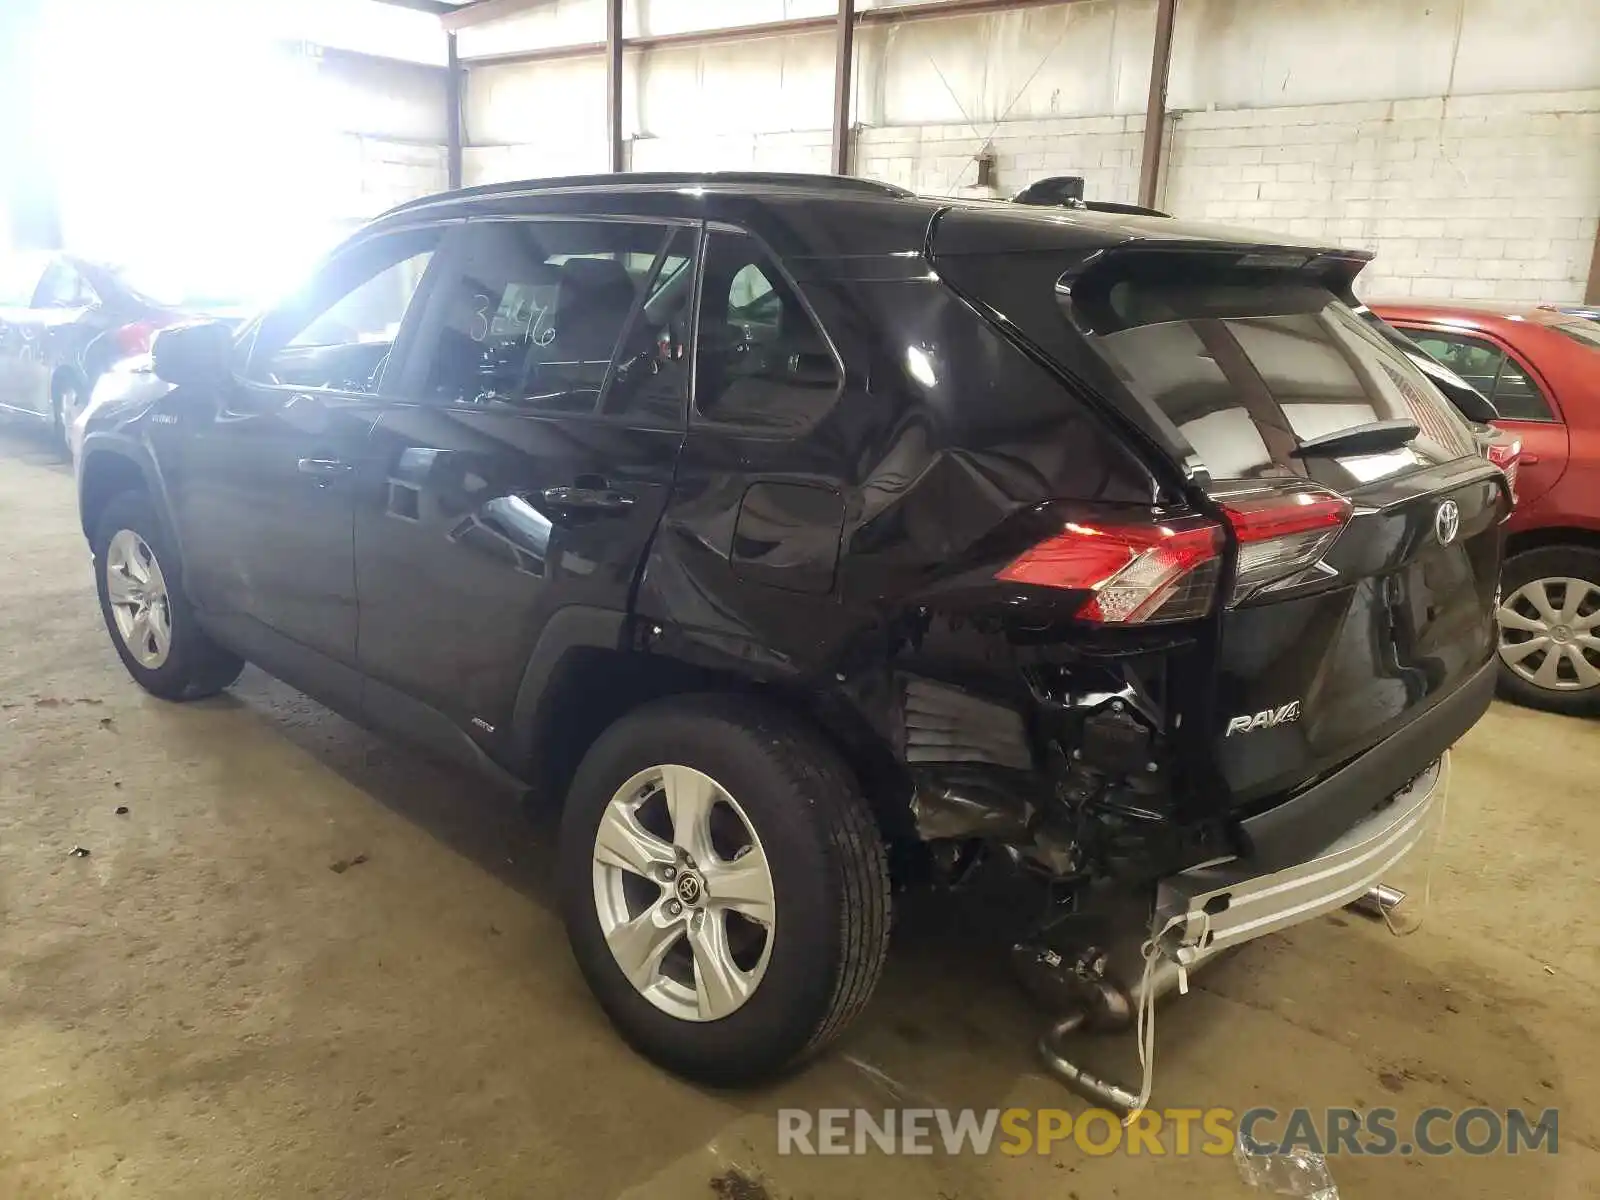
(1230, 903)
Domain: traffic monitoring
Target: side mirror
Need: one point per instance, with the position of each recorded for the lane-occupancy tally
(200, 355)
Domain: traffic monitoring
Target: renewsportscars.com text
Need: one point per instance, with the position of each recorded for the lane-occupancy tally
(1169, 1131)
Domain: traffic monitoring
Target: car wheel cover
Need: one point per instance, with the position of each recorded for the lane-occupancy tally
(683, 892)
(1548, 633)
(136, 590)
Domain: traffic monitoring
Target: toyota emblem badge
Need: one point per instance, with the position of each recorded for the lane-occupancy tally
(1447, 522)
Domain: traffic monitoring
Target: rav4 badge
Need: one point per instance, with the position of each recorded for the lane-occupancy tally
(1267, 718)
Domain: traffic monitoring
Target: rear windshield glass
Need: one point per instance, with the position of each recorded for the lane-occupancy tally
(1250, 365)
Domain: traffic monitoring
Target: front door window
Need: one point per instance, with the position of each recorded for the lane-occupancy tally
(336, 334)
(542, 316)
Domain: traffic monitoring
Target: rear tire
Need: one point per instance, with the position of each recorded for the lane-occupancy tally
(168, 654)
(828, 885)
(1549, 639)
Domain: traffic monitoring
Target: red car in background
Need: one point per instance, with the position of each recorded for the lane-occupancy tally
(1540, 368)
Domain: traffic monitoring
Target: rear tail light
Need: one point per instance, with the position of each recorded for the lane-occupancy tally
(1137, 572)
(135, 338)
(1281, 533)
(1505, 452)
(1148, 572)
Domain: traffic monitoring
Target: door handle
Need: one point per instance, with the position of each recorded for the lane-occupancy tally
(325, 468)
(1530, 459)
(590, 499)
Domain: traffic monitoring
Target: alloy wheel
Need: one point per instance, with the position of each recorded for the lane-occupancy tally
(137, 591)
(1548, 633)
(684, 893)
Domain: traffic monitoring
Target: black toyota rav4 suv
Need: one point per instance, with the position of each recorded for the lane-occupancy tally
(806, 538)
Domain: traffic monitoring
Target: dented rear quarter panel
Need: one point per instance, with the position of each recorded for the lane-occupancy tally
(945, 446)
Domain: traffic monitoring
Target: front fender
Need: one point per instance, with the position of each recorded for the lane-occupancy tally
(113, 461)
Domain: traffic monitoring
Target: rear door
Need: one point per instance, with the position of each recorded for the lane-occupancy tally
(1267, 375)
(524, 461)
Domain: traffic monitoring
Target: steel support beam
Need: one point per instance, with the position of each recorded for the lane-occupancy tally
(481, 12)
(950, 8)
(455, 84)
(1155, 111)
(517, 58)
(844, 61)
(614, 81)
(897, 15)
(437, 7)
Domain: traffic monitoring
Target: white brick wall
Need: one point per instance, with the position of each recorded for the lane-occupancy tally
(1471, 197)
(935, 159)
(805, 150)
(941, 159)
(494, 164)
(374, 174)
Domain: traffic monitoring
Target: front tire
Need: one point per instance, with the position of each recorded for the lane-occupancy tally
(1549, 638)
(146, 613)
(725, 889)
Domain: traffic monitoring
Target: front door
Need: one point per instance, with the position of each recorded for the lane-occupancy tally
(525, 458)
(264, 494)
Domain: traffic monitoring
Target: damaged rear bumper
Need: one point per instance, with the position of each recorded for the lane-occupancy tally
(1223, 905)
(1207, 910)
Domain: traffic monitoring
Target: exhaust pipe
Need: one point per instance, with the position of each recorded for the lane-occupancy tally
(1379, 900)
(1104, 1006)
(1091, 1087)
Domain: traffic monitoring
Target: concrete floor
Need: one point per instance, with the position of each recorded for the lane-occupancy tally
(208, 1006)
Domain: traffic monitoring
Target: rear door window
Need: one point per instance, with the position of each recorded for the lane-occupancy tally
(762, 362)
(1250, 365)
(1491, 370)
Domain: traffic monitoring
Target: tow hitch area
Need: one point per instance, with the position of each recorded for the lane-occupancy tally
(1102, 976)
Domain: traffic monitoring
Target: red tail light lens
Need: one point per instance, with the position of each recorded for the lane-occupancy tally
(1138, 573)
(1506, 453)
(1149, 572)
(1281, 533)
(136, 338)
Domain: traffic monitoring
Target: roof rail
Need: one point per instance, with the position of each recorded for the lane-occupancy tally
(667, 179)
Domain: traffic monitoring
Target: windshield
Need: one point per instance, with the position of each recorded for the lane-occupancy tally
(1585, 333)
